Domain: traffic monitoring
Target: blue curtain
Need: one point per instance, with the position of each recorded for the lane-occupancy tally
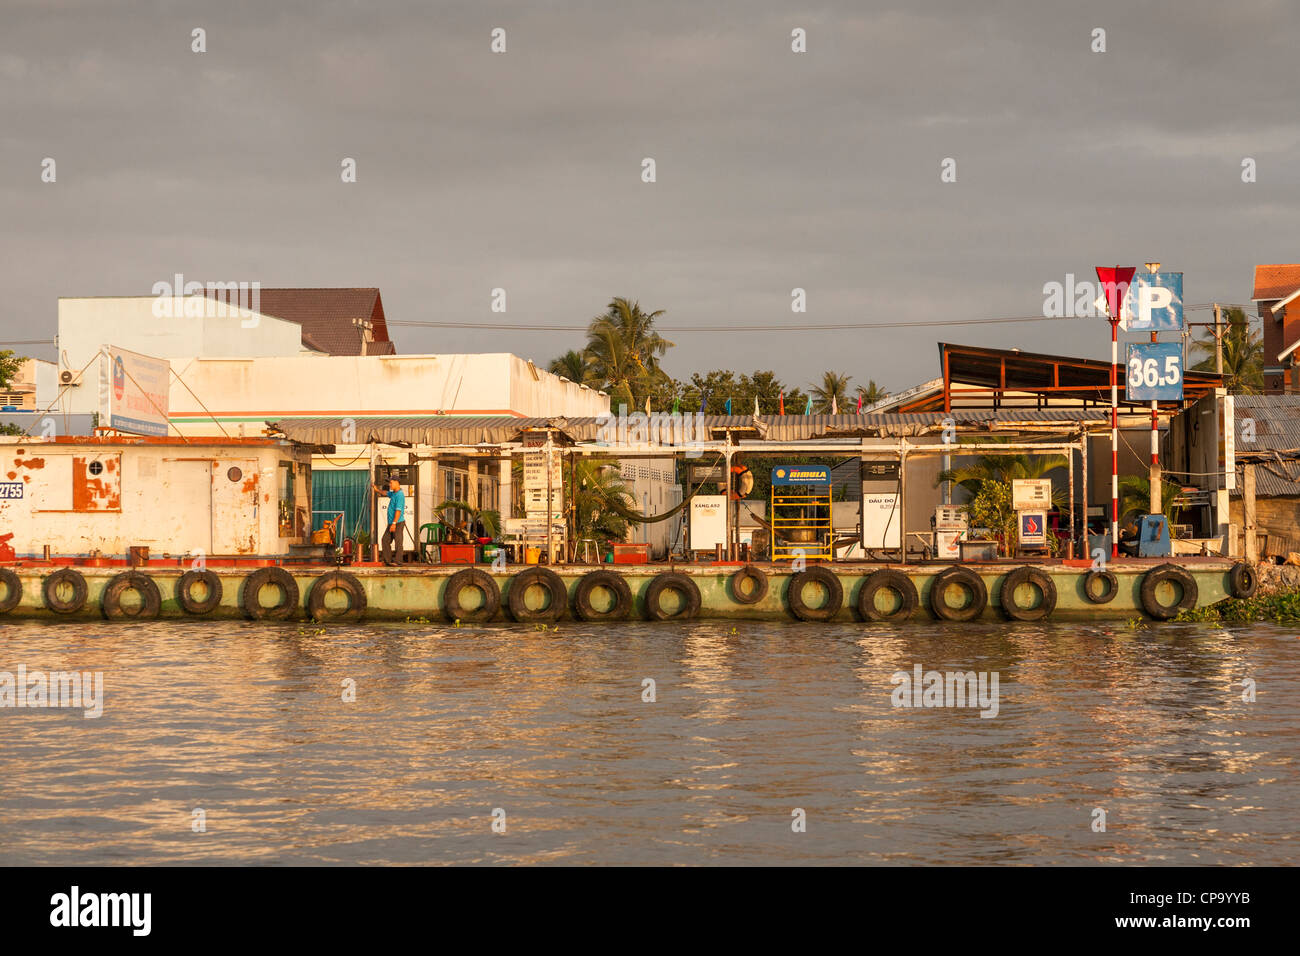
(345, 491)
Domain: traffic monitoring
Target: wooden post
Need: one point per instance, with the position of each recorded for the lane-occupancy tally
(1070, 471)
(1248, 512)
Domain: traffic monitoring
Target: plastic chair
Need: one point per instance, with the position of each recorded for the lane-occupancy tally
(433, 533)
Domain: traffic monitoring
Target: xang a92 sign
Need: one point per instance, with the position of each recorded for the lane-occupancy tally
(1154, 303)
(1155, 372)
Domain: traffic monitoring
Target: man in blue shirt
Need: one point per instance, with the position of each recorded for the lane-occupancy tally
(396, 513)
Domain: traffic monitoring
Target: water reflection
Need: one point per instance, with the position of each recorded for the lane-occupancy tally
(749, 723)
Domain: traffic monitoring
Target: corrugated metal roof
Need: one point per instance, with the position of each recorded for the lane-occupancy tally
(498, 429)
(1276, 425)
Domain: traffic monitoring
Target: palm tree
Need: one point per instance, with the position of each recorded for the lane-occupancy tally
(490, 517)
(573, 365)
(598, 485)
(1003, 468)
(1135, 498)
(625, 349)
(833, 392)
(871, 393)
(1243, 354)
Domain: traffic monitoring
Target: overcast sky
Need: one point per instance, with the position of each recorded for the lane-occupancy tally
(775, 170)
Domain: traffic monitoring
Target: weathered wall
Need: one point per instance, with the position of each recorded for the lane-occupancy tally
(80, 499)
(1279, 518)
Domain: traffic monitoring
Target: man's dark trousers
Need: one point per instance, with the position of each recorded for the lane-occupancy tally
(390, 540)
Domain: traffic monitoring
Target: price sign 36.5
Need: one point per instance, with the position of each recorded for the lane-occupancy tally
(1155, 372)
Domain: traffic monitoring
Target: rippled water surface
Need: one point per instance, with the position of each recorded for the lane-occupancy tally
(750, 723)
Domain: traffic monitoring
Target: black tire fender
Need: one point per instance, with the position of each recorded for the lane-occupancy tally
(961, 576)
(110, 603)
(185, 587)
(13, 585)
(1172, 573)
(1091, 594)
(887, 579)
(674, 581)
(748, 573)
(1243, 581)
(475, 578)
(50, 587)
(342, 581)
(253, 585)
(602, 579)
(827, 579)
(1032, 576)
(544, 578)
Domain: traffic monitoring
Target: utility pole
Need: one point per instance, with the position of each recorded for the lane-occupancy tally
(1218, 342)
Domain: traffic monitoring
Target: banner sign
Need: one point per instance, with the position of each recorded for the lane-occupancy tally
(136, 387)
(1155, 372)
(801, 475)
(1154, 303)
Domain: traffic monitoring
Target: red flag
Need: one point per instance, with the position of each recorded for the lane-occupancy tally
(859, 409)
(782, 401)
(1114, 286)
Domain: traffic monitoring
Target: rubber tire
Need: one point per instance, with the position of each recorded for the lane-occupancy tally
(939, 586)
(79, 591)
(471, 577)
(254, 584)
(110, 603)
(546, 578)
(824, 577)
(607, 579)
(186, 581)
(343, 581)
(1243, 581)
(13, 586)
(675, 581)
(1112, 587)
(894, 580)
(1168, 572)
(1027, 575)
(760, 585)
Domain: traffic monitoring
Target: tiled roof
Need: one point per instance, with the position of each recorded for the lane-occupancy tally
(330, 317)
(1276, 282)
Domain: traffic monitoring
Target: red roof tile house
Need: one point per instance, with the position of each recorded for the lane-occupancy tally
(1277, 295)
(334, 321)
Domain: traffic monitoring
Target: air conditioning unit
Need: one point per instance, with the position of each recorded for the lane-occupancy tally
(69, 377)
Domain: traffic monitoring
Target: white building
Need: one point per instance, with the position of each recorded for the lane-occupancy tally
(88, 497)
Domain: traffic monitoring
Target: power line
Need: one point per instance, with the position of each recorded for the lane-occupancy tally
(798, 327)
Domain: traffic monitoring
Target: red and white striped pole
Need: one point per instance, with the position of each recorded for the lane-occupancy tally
(1115, 282)
(1114, 432)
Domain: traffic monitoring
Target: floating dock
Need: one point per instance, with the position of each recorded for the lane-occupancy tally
(531, 594)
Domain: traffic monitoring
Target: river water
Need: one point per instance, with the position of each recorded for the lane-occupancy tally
(764, 743)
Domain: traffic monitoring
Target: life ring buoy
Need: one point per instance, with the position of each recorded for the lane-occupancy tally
(111, 601)
(185, 591)
(611, 582)
(550, 582)
(1035, 578)
(1172, 574)
(887, 579)
(1090, 593)
(819, 575)
(1243, 581)
(50, 591)
(672, 581)
(337, 581)
(961, 577)
(251, 602)
(757, 590)
(471, 578)
(13, 585)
